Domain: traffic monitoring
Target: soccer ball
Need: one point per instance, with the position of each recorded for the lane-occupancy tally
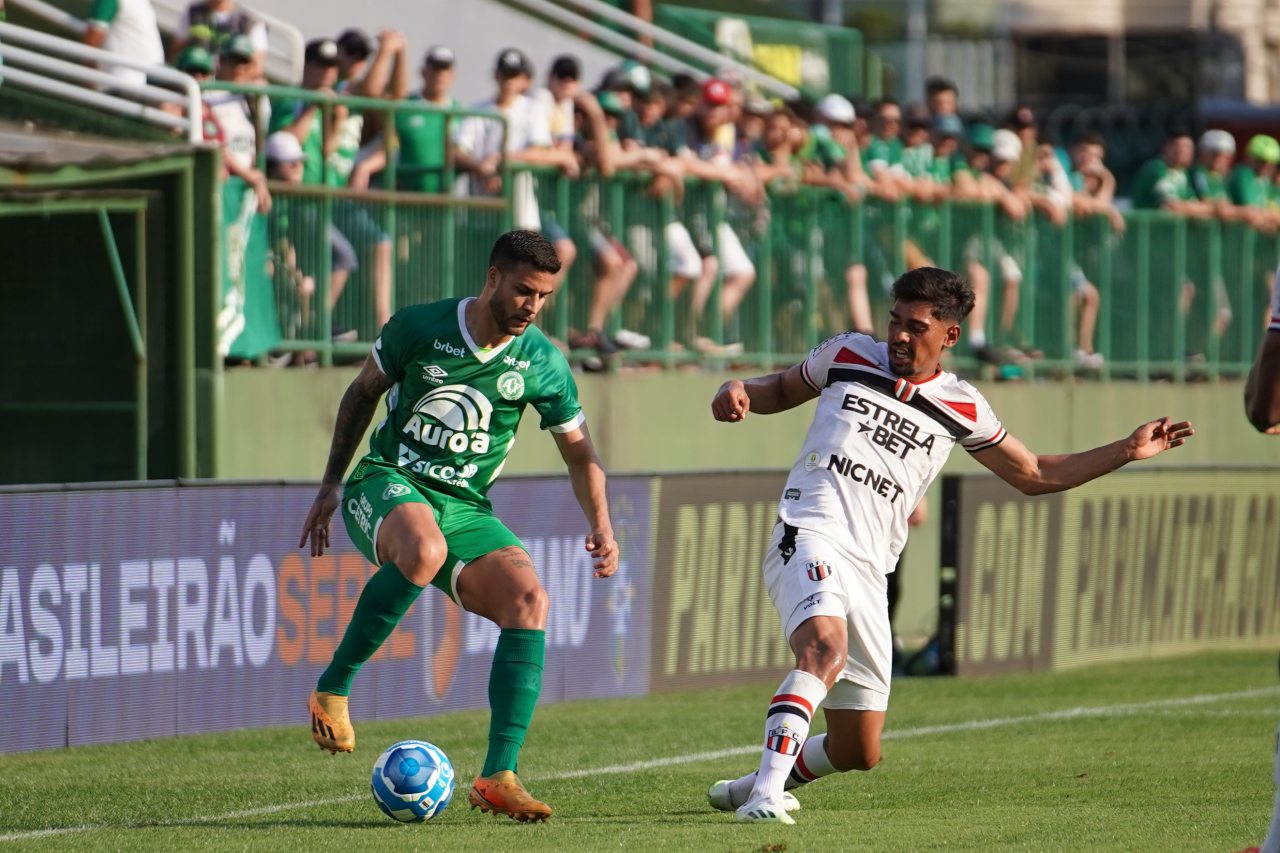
(412, 781)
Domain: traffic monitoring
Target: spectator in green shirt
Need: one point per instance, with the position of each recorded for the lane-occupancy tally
(882, 158)
(329, 158)
(1162, 182)
(1248, 182)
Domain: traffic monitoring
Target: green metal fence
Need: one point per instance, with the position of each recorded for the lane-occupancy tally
(1180, 299)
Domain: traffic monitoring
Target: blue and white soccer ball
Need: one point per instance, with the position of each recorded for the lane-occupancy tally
(412, 781)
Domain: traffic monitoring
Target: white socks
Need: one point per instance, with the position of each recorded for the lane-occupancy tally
(812, 763)
(785, 730)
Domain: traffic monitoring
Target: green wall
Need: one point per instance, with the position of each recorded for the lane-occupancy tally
(278, 424)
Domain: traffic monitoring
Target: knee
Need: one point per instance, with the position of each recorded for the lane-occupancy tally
(420, 558)
(608, 262)
(567, 252)
(822, 656)
(525, 608)
(861, 759)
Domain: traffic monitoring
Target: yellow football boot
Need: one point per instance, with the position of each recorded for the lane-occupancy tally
(502, 793)
(330, 723)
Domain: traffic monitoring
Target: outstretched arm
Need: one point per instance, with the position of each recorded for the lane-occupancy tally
(588, 479)
(766, 395)
(354, 414)
(1011, 461)
(1262, 388)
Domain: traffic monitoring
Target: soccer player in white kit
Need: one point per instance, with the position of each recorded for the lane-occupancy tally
(1262, 406)
(886, 420)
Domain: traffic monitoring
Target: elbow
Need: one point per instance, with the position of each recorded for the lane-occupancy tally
(1034, 486)
(1263, 421)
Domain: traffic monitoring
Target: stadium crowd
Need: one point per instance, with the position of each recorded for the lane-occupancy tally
(719, 131)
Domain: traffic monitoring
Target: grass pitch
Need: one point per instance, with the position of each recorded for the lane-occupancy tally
(1159, 755)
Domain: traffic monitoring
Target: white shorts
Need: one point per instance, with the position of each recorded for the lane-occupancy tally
(686, 261)
(807, 575)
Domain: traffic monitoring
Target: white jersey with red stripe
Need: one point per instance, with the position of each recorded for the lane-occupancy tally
(876, 443)
(1274, 325)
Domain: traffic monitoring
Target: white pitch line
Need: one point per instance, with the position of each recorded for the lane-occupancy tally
(695, 757)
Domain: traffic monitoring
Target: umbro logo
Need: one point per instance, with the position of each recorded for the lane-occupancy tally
(434, 373)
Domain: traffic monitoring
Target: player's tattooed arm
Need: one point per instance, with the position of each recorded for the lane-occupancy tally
(765, 395)
(354, 414)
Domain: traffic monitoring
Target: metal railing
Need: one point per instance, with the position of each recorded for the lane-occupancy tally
(409, 246)
(285, 44)
(55, 66)
(1179, 298)
(673, 43)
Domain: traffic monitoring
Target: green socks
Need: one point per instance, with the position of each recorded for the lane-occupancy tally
(514, 684)
(383, 601)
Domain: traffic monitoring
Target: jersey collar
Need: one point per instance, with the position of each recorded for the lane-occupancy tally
(482, 355)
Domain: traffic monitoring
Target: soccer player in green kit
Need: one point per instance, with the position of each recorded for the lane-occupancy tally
(457, 374)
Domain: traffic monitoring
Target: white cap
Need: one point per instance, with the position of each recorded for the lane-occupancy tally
(836, 109)
(284, 147)
(1005, 145)
(1218, 141)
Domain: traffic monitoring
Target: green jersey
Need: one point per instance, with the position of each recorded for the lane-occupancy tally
(1208, 185)
(423, 148)
(1156, 185)
(453, 411)
(882, 154)
(285, 111)
(1247, 187)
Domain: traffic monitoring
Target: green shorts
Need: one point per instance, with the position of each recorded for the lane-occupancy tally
(470, 530)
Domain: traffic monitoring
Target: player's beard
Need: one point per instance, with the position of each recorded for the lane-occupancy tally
(510, 322)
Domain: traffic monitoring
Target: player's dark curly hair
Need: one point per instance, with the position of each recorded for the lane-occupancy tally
(948, 293)
(524, 247)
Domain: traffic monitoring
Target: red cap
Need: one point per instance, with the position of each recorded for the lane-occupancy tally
(715, 92)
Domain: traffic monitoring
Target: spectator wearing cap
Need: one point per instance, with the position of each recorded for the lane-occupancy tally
(233, 114)
(1215, 152)
(1249, 179)
(556, 99)
(372, 69)
(706, 152)
(528, 141)
(421, 143)
(1162, 182)
(988, 177)
(212, 22)
(331, 149)
(127, 28)
(829, 152)
(294, 226)
(385, 75)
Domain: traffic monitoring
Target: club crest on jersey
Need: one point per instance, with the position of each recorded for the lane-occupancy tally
(394, 490)
(817, 570)
(511, 385)
(783, 739)
(791, 495)
(434, 373)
